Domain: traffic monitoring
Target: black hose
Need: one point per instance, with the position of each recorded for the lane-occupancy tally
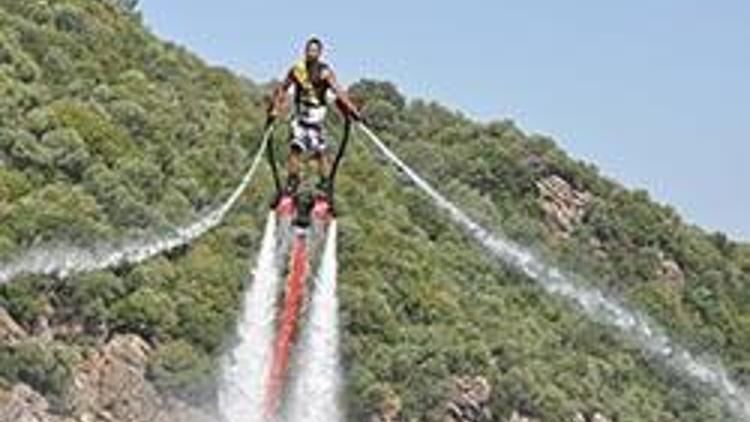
(339, 157)
(272, 160)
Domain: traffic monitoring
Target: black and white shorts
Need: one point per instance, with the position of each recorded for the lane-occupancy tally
(308, 138)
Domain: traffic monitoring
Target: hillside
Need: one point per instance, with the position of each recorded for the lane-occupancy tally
(107, 132)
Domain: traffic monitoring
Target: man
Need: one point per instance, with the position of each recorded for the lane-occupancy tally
(311, 80)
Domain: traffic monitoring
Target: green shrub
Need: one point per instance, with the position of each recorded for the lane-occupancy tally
(180, 369)
(44, 367)
(100, 135)
(148, 312)
(69, 18)
(68, 152)
(57, 211)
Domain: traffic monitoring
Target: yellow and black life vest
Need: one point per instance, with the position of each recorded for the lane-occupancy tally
(310, 86)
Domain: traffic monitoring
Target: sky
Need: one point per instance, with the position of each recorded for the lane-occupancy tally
(655, 93)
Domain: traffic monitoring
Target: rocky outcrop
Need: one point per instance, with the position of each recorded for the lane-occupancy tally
(22, 404)
(469, 401)
(579, 417)
(10, 332)
(518, 417)
(564, 206)
(596, 245)
(42, 329)
(389, 409)
(594, 417)
(108, 386)
(671, 272)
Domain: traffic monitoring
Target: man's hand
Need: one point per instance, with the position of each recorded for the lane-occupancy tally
(342, 97)
(356, 115)
(278, 99)
(348, 109)
(270, 118)
(272, 113)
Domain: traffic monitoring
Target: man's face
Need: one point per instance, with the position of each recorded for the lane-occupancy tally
(313, 52)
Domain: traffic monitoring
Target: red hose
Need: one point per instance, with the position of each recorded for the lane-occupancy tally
(288, 326)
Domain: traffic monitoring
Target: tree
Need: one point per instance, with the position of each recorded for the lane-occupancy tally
(180, 369)
(44, 367)
(148, 312)
(68, 152)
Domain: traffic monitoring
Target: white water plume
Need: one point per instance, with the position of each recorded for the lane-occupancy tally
(593, 303)
(244, 373)
(64, 261)
(315, 393)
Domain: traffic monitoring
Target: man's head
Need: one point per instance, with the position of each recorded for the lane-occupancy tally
(313, 50)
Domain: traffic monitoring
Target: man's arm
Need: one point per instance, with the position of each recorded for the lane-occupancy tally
(279, 98)
(341, 95)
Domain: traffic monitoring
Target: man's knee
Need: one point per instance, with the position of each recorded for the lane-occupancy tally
(295, 153)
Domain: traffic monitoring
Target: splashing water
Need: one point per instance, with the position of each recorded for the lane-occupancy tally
(65, 261)
(315, 393)
(593, 303)
(294, 295)
(244, 373)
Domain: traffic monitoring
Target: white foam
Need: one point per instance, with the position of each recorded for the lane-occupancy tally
(246, 366)
(316, 389)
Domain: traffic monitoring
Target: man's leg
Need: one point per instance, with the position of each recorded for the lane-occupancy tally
(325, 184)
(293, 167)
(323, 158)
(294, 161)
(324, 165)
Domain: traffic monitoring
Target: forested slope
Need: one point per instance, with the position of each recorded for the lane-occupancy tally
(106, 131)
